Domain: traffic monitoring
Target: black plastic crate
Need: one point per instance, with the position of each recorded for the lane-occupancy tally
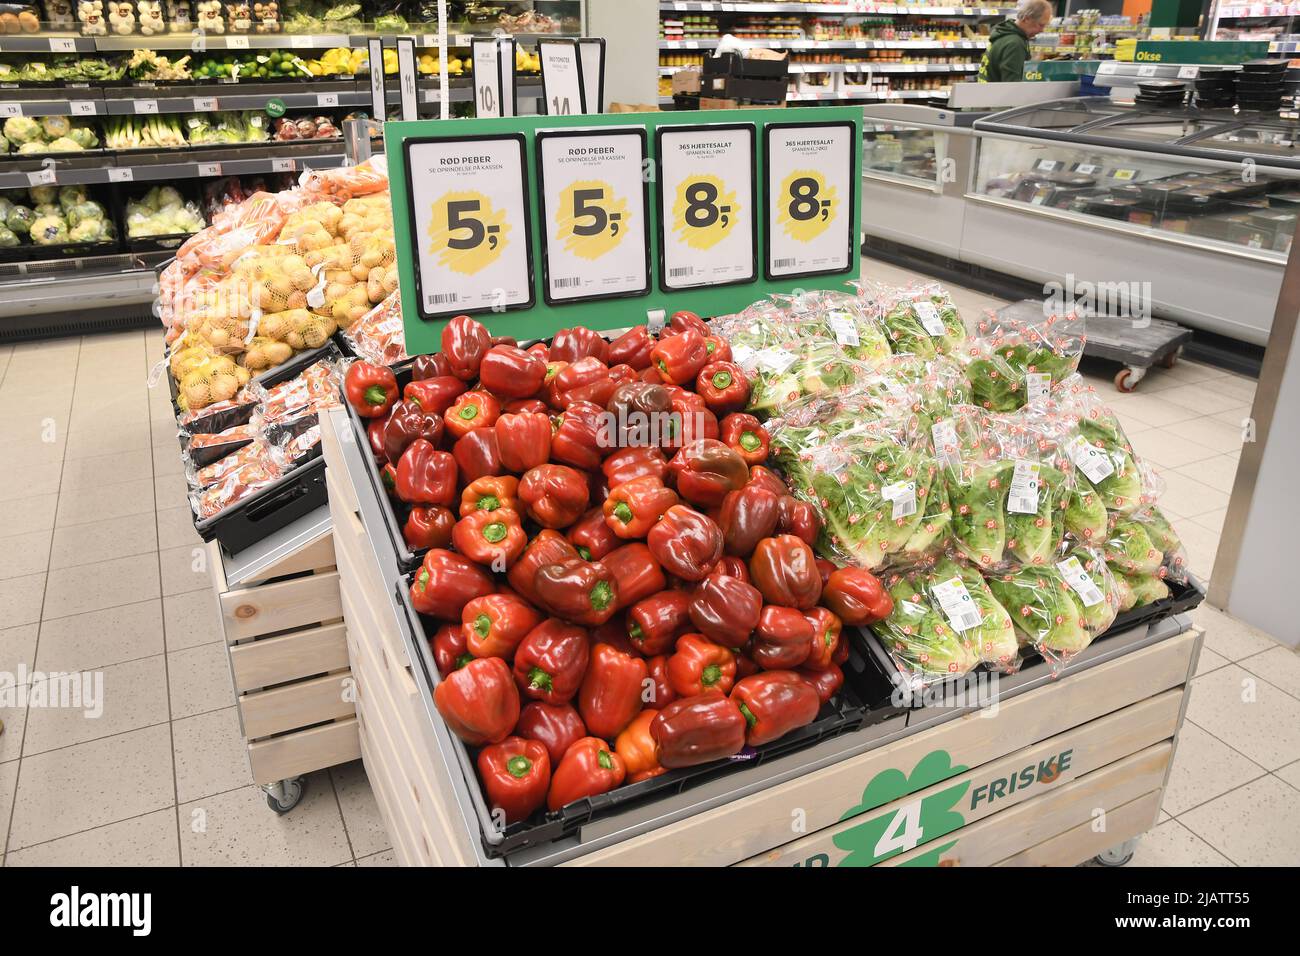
(843, 714)
(298, 493)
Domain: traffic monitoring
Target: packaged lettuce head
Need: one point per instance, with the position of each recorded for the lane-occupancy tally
(1143, 545)
(1061, 606)
(921, 320)
(945, 623)
(1015, 360)
(1100, 451)
(849, 322)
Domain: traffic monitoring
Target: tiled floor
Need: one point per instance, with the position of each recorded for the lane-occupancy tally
(95, 557)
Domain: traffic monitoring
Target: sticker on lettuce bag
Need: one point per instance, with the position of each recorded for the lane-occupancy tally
(903, 496)
(775, 361)
(962, 612)
(946, 449)
(1037, 385)
(1077, 578)
(929, 316)
(846, 333)
(1090, 459)
(1023, 497)
(744, 356)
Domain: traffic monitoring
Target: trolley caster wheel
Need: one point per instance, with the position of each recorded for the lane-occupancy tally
(1117, 855)
(286, 794)
(1170, 360)
(1126, 379)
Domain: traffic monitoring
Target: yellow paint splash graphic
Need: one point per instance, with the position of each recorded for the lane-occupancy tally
(704, 212)
(806, 207)
(591, 220)
(466, 232)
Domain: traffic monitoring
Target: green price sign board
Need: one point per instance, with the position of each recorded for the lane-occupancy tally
(537, 223)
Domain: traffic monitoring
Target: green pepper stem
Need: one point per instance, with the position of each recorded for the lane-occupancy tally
(375, 395)
(750, 442)
(722, 379)
(518, 766)
(748, 714)
(538, 679)
(710, 675)
(482, 625)
(488, 503)
(494, 532)
(623, 513)
(603, 758)
(468, 412)
(601, 595)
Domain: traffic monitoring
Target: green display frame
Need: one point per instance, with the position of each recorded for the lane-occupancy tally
(543, 319)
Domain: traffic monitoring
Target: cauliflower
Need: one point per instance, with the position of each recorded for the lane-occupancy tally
(55, 127)
(33, 147)
(7, 239)
(22, 130)
(84, 136)
(89, 230)
(49, 230)
(43, 194)
(65, 145)
(168, 196)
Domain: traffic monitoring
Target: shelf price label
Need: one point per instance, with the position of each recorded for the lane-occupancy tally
(300, 42)
(120, 175)
(283, 165)
(145, 106)
(561, 77)
(327, 99)
(470, 224)
(1147, 69)
(10, 109)
(593, 204)
(810, 193)
(42, 177)
(82, 108)
(209, 169)
(707, 195)
(236, 43)
(63, 45)
(205, 104)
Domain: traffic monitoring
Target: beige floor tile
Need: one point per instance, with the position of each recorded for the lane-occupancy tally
(378, 859)
(18, 483)
(98, 415)
(82, 474)
(171, 490)
(1248, 714)
(107, 584)
(25, 554)
(1237, 417)
(107, 501)
(1172, 844)
(167, 458)
(20, 599)
(1210, 432)
(134, 695)
(93, 442)
(185, 569)
(191, 619)
(1255, 825)
(1201, 545)
(1204, 768)
(1153, 410)
(1280, 666)
(25, 515)
(149, 840)
(200, 680)
(1186, 373)
(238, 829)
(11, 741)
(21, 457)
(1241, 386)
(1218, 472)
(1211, 520)
(95, 541)
(360, 811)
(1190, 497)
(101, 638)
(1162, 448)
(18, 648)
(1290, 773)
(176, 527)
(77, 788)
(8, 786)
(1209, 661)
(1226, 635)
(1203, 400)
(211, 756)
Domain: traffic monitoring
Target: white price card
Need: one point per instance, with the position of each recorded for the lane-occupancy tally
(707, 193)
(300, 42)
(1022, 499)
(470, 224)
(946, 449)
(82, 108)
(928, 313)
(562, 82)
(592, 52)
(209, 169)
(120, 175)
(810, 199)
(958, 607)
(1147, 69)
(487, 78)
(41, 177)
(236, 43)
(406, 73)
(1109, 66)
(1188, 72)
(10, 109)
(283, 165)
(327, 99)
(1046, 165)
(145, 106)
(205, 104)
(594, 201)
(1079, 580)
(1088, 169)
(1037, 386)
(1090, 459)
(903, 496)
(63, 45)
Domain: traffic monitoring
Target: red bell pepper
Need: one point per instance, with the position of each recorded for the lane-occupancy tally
(470, 410)
(524, 440)
(726, 610)
(774, 704)
(408, 422)
(495, 539)
(637, 572)
(549, 547)
(857, 596)
(697, 730)
(680, 358)
(479, 701)
(634, 507)
(555, 726)
(585, 380)
(628, 464)
(516, 774)
(449, 649)
(430, 366)
(650, 374)
(718, 348)
(550, 661)
(614, 633)
(639, 415)
(723, 386)
(622, 374)
(510, 372)
(637, 748)
(730, 566)
(655, 623)
(771, 656)
(555, 496)
(521, 405)
(659, 691)
(591, 536)
(745, 435)
(798, 518)
(426, 476)
(388, 477)
(783, 625)
(550, 390)
(826, 683)
(575, 441)
(686, 319)
(588, 768)
(477, 455)
(748, 515)
(690, 422)
(825, 569)
(610, 695)
(745, 664)
(581, 592)
(706, 470)
(785, 570)
(446, 582)
(571, 345)
(827, 630)
(541, 350)
(767, 478)
(495, 624)
(632, 348)
(698, 665)
(685, 542)
(490, 493)
(428, 527)
(370, 389)
(465, 342)
(435, 395)
(375, 436)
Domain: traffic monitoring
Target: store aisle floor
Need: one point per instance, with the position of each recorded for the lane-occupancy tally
(98, 573)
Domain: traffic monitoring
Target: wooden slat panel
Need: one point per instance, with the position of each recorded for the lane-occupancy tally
(335, 466)
(312, 599)
(305, 751)
(274, 660)
(403, 832)
(1082, 843)
(316, 555)
(285, 708)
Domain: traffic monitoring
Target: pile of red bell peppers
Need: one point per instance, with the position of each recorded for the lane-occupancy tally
(622, 587)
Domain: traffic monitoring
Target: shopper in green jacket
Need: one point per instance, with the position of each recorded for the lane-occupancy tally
(1004, 57)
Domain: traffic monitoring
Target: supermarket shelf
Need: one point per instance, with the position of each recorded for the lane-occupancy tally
(1284, 46)
(865, 97)
(833, 44)
(692, 6)
(962, 67)
(47, 44)
(66, 285)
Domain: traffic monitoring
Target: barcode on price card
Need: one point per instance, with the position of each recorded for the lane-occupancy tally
(567, 282)
(962, 612)
(784, 263)
(1078, 579)
(903, 496)
(681, 272)
(441, 298)
(1023, 497)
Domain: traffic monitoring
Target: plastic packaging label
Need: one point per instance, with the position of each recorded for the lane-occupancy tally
(316, 295)
(743, 355)
(1078, 579)
(774, 360)
(1023, 498)
(903, 495)
(962, 612)
(1090, 459)
(946, 449)
(846, 333)
(929, 316)
(1037, 385)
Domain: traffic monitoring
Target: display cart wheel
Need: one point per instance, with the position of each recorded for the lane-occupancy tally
(1126, 379)
(283, 795)
(1170, 360)
(1117, 855)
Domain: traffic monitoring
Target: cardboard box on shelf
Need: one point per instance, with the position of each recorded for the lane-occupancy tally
(687, 80)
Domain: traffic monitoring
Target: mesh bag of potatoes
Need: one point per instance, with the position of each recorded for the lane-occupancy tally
(204, 378)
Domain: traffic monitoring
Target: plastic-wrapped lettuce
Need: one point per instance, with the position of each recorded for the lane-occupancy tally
(1145, 554)
(1103, 457)
(1059, 607)
(1015, 360)
(921, 321)
(850, 323)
